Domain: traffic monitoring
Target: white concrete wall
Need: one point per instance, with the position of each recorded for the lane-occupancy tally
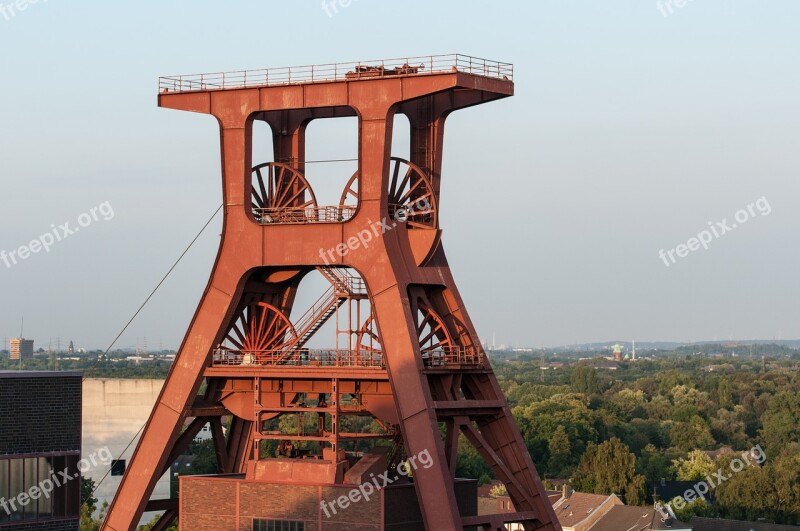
(113, 412)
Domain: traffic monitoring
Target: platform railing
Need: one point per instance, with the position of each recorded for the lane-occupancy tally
(405, 66)
(303, 357)
(322, 214)
(452, 357)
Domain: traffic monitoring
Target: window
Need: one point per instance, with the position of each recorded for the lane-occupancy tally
(118, 467)
(278, 525)
(33, 488)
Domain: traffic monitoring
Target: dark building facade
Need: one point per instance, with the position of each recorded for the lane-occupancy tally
(40, 444)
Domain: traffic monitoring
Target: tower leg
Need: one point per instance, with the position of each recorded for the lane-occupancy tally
(418, 421)
(150, 459)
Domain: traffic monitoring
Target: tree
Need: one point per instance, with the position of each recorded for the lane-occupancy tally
(149, 525)
(610, 468)
(652, 464)
(692, 435)
(725, 395)
(746, 495)
(784, 474)
(560, 452)
(696, 466)
(584, 380)
(87, 494)
(498, 491)
(781, 421)
(698, 507)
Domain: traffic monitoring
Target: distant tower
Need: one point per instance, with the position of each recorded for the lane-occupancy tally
(617, 352)
(71, 348)
(633, 351)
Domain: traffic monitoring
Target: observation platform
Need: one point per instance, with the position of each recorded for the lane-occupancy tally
(350, 71)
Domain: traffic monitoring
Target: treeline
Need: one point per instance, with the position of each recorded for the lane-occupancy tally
(622, 431)
(92, 367)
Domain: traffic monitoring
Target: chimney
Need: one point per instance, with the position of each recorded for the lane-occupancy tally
(566, 491)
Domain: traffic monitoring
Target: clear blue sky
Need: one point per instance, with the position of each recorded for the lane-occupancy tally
(629, 132)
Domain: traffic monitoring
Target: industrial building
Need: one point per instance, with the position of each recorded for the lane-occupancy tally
(40, 449)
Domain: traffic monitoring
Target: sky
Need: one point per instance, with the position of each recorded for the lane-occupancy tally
(634, 129)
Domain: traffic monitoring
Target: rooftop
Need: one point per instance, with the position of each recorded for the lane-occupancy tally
(626, 517)
(580, 506)
(351, 71)
(40, 374)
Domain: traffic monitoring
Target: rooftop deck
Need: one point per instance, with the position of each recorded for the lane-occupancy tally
(352, 71)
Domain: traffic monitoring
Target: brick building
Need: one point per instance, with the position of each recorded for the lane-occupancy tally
(40, 442)
(233, 503)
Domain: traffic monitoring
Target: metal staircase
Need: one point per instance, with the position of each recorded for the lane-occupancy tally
(344, 286)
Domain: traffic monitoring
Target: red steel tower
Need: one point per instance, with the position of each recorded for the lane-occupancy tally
(408, 375)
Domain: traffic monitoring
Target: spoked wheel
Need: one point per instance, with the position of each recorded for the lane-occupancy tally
(262, 333)
(411, 196)
(348, 202)
(282, 195)
(368, 342)
(435, 342)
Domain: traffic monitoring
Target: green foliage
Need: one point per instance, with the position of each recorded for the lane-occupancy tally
(781, 422)
(664, 410)
(88, 521)
(610, 468)
(695, 467)
(698, 507)
(560, 452)
(149, 525)
(498, 490)
(584, 380)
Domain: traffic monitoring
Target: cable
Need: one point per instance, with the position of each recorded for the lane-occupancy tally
(153, 292)
(171, 269)
(97, 486)
(329, 160)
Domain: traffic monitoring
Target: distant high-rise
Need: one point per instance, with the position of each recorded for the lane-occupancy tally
(71, 348)
(21, 348)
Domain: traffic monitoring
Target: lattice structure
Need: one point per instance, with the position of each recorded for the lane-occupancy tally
(407, 356)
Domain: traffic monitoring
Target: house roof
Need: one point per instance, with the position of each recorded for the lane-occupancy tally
(630, 518)
(716, 524)
(578, 507)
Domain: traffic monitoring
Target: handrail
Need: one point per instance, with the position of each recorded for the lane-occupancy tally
(320, 306)
(441, 357)
(298, 357)
(349, 71)
(307, 214)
